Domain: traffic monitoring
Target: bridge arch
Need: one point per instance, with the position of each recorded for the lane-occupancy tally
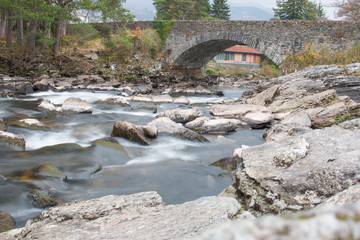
(192, 44)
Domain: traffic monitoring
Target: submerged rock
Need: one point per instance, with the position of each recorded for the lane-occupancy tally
(41, 199)
(2, 125)
(49, 170)
(109, 142)
(136, 216)
(182, 115)
(228, 163)
(167, 126)
(76, 105)
(7, 222)
(12, 139)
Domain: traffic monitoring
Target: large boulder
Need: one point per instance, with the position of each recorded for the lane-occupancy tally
(133, 133)
(167, 126)
(7, 222)
(299, 172)
(220, 125)
(12, 139)
(76, 105)
(256, 116)
(136, 216)
(182, 115)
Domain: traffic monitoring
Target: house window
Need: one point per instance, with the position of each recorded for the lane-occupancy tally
(243, 57)
(229, 56)
(225, 56)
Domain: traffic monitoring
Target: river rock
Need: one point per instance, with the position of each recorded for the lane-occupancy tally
(352, 124)
(165, 98)
(129, 131)
(327, 223)
(228, 163)
(49, 170)
(109, 142)
(30, 123)
(207, 125)
(150, 131)
(136, 216)
(41, 199)
(25, 87)
(256, 116)
(265, 97)
(299, 172)
(7, 222)
(76, 105)
(182, 100)
(12, 139)
(182, 115)
(335, 113)
(167, 126)
(280, 131)
(46, 106)
(2, 125)
(44, 84)
(116, 100)
(298, 117)
(346, 197)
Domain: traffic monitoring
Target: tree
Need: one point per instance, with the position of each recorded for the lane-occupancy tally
(220, 9)
(181, 9)
(349, 9)
(296, 10)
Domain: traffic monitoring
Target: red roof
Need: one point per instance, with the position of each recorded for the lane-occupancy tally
(242, 49)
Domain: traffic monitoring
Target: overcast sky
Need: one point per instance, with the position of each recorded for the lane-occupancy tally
(272, 3)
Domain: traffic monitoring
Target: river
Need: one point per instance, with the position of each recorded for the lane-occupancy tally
(179, 170)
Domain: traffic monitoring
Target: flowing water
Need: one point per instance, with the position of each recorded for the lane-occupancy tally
(179, 170)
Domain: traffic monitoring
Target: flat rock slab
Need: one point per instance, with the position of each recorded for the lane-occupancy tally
(136, 216)
(256, 116)
(326, 223)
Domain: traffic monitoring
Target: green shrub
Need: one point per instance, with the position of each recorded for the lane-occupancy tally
(163, 28)
(210, 71)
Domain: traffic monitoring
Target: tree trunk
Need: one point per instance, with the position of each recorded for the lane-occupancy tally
(63, 30)
(46, 35)
(3, 24)
(9, 27)
(56, 46)
(31, 39)
(19, 31)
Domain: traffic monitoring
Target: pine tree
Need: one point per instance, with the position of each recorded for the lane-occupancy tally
(220, 9)
(181, 9)
(297, 10)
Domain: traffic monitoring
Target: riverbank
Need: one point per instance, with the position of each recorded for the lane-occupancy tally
(311, 155)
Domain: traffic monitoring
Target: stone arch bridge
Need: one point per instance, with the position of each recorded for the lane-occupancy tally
(192, 44)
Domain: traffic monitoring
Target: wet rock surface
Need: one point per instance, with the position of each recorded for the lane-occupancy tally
(182, 115)
(132, 132)
(217, 125)
(12, 139)
(167, 126)
(128, 217)
(7, 222)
